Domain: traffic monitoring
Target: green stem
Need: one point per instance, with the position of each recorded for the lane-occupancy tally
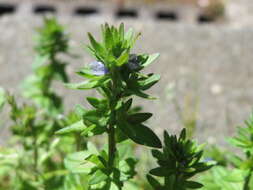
(78, 142)
(36, 161)
(247, 180)
(111, 129)
(35, 152)
(112, 146)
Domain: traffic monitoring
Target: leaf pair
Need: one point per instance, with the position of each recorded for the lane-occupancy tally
(131, 125)
(178, 162)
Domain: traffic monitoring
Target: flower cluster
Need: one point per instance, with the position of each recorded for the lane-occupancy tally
(98, 68)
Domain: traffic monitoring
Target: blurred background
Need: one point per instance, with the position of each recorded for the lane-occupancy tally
(205, 63)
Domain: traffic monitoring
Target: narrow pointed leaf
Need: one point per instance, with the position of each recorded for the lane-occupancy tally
(76, 127)
(123, 59)
(139, 117)
(140, 134)
(151, 59)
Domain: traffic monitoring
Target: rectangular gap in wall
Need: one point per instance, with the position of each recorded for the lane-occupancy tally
(127, 13)
(44, 9)
(7, 9)
(167, 15)
(85, 11)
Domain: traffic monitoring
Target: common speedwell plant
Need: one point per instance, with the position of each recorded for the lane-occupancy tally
(51, 41)
(179, 161)
(44, 161)
(237, 173)
(34, 166)
(116, 74)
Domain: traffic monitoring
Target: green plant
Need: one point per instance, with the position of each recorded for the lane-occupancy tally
(222, 178)
(179, 161)
(36, 157)
(116, 76)
(50, 42)
(244, 140)
(46, 155)
(33, 131)
(2, 98)
(237, 173)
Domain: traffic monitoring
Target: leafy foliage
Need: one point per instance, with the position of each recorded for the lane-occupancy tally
(221, 178)
(49, 150)
(36, 156)
(116, 76)
(178, 162)
(2, 98)
(50, 42)
(237, 172)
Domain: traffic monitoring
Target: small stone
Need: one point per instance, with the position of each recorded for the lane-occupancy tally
(216, 89)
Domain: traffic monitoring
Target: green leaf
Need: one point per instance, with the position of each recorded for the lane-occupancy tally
(108, 37)
(121, 31)
(75, 182)
(55, 173)
(183, 134)
(80, 110)
(161, 171)
(97, 160)
(97, 47)
(122, 59)
(76, 127)
(158, 155)
(86, 72)
(140, 134)
(95, 117)
(100, 104)
(154, 183)
(149, 82)
(193, 185)
(140, 94)
(97, 177)
(76, 163)
(39, 61)
(2, 98)
(129, 35)
(92, 148)
(235, 176)
(93, 101)
(128, 104)
(151, 58)
(243, 143)
(127, 167)
(93, 130)
(88, 84)
(137, 118)
(120, 136)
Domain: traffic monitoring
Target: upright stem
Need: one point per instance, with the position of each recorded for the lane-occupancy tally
(35, 156)
(35, 151)
(247, 180)
(78, 142)
(111, 129)
(112, 146)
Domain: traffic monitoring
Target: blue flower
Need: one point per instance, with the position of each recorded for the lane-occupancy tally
(98, 68)
(133, 63)
(208, 159)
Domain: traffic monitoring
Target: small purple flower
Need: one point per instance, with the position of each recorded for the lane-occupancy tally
(133, 63)
(98, 68)
(208, 159)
